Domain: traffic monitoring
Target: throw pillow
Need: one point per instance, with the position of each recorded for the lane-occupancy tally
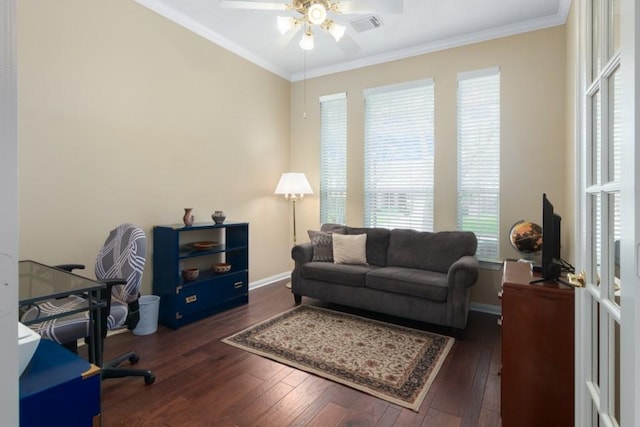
(322, 245)
(350, 249)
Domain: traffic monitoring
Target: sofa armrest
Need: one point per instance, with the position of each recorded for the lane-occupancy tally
(461, 276)
(302, 253)
(464, 272)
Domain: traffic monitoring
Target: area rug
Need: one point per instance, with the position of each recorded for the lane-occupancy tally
(388, 361)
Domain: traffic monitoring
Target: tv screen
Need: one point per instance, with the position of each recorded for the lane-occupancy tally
(551, 264)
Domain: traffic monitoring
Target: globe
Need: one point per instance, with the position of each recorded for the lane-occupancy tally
(526, 237)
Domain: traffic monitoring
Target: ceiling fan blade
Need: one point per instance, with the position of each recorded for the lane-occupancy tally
(370, 6)
(282, 41)
(348, 45)
(354, 6)
(252, 5)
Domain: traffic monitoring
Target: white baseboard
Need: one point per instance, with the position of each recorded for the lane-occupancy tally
(270, 280)
(486, 308)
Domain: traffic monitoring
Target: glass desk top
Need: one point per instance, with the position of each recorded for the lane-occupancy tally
(39, 282)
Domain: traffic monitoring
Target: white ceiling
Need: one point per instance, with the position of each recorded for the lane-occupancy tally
(423, 26)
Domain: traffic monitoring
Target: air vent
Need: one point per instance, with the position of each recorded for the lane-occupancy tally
(366, 23)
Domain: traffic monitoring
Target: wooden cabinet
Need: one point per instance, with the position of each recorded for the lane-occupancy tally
(183, 302)
(537, 386)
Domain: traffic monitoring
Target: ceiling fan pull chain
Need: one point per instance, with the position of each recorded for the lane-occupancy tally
(304, 89)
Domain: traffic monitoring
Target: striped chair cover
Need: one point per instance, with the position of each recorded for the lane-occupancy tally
(62, 330)
(122, 257)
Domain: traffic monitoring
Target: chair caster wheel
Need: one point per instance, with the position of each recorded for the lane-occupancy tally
(149, 379)
(133, 359)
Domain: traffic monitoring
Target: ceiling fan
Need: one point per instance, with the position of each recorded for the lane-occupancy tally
(320, 13)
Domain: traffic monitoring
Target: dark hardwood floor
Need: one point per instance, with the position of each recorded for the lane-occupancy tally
(203, 382)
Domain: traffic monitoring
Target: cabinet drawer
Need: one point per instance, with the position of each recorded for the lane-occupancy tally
(206, 294)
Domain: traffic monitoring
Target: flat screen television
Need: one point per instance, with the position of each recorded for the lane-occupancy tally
(551, 265)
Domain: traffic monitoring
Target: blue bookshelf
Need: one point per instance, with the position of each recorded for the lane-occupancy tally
(176, 247)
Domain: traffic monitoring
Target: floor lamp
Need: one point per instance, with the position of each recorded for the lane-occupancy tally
(293, 185)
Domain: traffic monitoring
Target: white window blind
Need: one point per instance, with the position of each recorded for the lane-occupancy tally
(333, 158)
(399, 148)
(479, 159)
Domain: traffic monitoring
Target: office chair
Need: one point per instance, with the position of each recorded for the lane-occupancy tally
(119, 264)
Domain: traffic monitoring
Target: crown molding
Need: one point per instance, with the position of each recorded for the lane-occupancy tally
(173, 15)
(509, 30)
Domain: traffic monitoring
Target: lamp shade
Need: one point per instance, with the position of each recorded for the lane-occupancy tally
(336, 30)
(306, 42)
(293, 184)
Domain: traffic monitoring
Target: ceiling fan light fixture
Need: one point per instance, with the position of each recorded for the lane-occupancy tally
(317, 14)
(286, 24)
(336, 30)
(334, 7)
(306, 42)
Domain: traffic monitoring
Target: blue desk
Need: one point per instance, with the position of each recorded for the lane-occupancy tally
(59, 388)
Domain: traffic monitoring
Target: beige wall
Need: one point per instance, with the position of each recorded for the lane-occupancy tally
(127, 117)
(532, 130)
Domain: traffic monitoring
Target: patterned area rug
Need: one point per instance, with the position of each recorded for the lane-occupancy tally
(390, 362)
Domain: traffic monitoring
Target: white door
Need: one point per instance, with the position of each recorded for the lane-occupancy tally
(607, 309)
(8, 215)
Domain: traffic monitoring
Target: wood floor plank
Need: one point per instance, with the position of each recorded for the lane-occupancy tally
(259, 400)
(389, 417)
(329, 415)
(440, 419)
(258, 406)
(287, 409)
(491, 398)
(202, 381)
(472, 410)
(489, 418)
(318, 405)
(460, 376)
(295, 378)
(365, 411)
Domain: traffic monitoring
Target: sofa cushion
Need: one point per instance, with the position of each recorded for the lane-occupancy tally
(344, 274)
(350, 249)
(429, 251)
(323, 244)
(377, 243)
(409, 281)
(331, 227)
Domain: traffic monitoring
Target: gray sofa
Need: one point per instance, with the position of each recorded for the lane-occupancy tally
(416, 275)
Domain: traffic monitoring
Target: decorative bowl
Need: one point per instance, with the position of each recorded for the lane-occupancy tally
(205, 245)
(190, 274)
(221, 267)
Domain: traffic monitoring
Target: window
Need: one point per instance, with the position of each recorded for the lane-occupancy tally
(479, 158)
(398, 156)
(333, 158)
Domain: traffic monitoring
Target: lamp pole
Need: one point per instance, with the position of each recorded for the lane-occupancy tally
(293, 203)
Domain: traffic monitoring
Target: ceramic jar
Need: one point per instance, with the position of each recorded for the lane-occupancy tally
(218, 217)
